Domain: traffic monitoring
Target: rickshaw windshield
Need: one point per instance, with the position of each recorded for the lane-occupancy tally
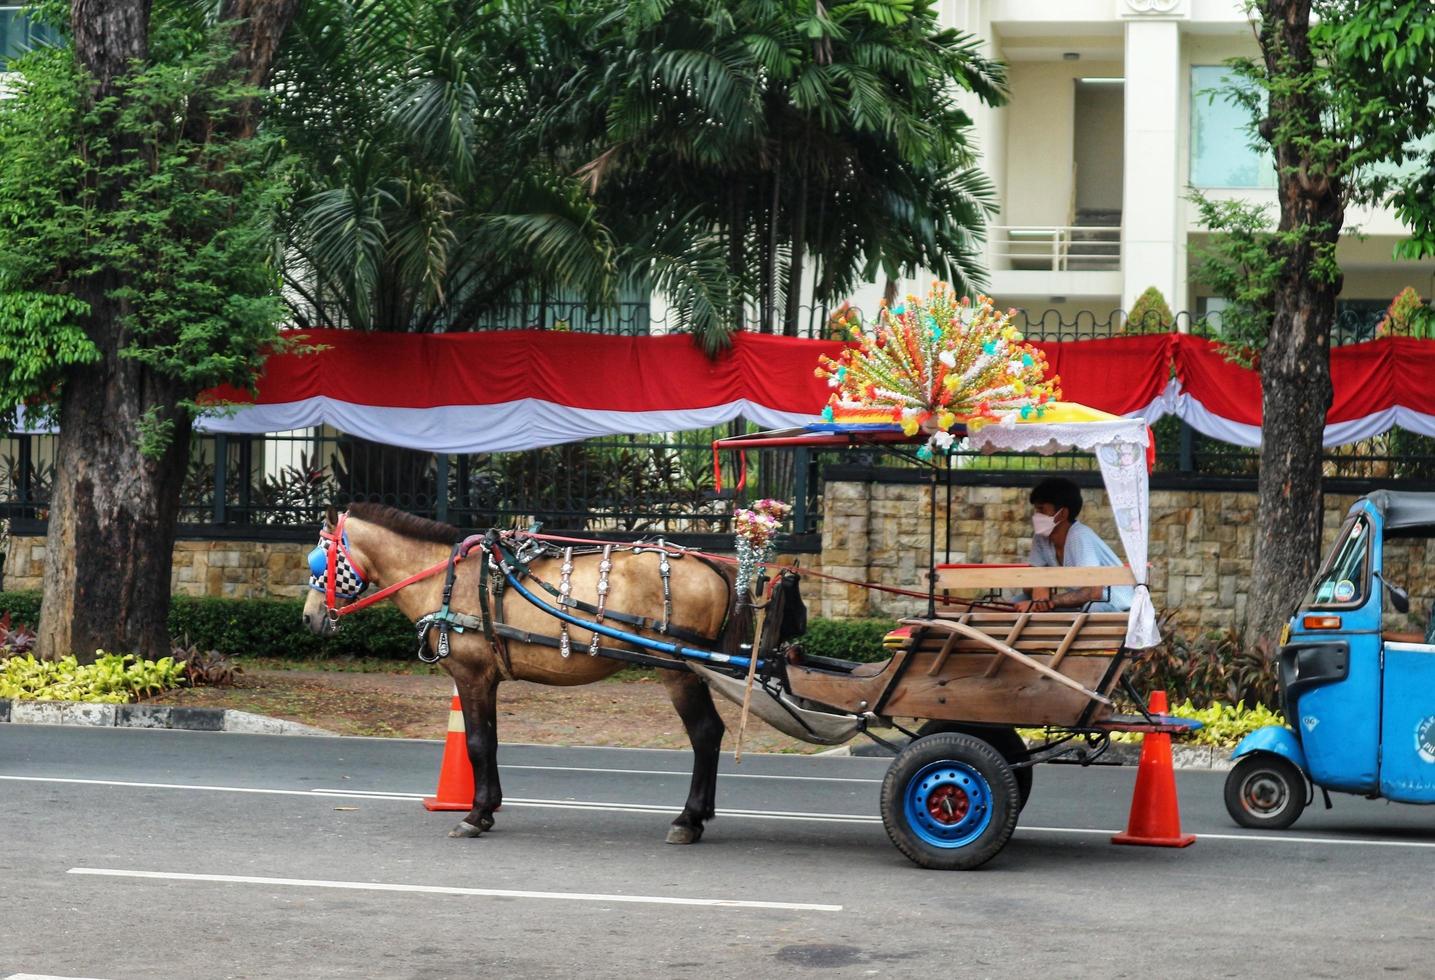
(1342, 580)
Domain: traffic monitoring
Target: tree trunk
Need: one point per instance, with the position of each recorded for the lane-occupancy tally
(794, 263)
(113, 510)
(112, 517)
(1295, 365)
(769, 260)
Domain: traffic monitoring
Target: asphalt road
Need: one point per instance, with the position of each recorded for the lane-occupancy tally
(137, 854)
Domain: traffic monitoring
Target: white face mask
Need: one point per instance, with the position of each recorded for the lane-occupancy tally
(1043, 524)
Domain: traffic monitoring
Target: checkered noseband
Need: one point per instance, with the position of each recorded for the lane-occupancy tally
(348, 583)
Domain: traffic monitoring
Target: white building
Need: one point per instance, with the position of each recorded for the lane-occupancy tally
(1109, 124)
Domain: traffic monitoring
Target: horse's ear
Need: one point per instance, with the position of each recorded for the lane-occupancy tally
(331, 517)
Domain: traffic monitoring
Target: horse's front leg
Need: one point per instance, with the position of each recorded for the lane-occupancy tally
(478, 695)
(705, 730)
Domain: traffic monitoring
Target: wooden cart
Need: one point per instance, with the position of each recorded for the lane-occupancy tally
(967, 677)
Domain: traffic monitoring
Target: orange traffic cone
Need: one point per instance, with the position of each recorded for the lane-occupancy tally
(455, 776)
(1155, 816)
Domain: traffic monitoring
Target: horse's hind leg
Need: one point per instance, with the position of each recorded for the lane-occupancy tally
(478, 694)
(705, 730)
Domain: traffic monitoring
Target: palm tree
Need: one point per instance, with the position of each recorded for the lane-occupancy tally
(457, 154)
(783, 133)
(421, 200)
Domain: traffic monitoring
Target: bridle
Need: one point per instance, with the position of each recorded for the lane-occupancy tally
(333, 571)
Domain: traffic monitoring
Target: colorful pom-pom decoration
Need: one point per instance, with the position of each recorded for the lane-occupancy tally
(931, 364)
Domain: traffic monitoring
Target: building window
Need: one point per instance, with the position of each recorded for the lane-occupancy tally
(18, 34)
(1221, 155)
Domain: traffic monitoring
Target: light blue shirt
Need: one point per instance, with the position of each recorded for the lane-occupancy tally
(1084, 548)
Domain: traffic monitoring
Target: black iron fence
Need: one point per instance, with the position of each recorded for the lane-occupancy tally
(634, 485)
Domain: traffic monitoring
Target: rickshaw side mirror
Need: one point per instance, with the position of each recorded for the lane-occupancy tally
(1399, 598)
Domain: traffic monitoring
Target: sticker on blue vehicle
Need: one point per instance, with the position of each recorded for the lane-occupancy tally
(1344, 590)
(1309, 721)
(1425, 739)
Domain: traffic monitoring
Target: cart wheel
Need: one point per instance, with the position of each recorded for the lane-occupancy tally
(949, 802)
(1004, 740)
(1265, 791)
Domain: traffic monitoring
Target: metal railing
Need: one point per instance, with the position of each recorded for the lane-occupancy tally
(636, 484)
(1054, 248)
(629, 486)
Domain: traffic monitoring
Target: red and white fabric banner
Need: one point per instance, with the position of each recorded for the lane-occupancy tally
(1378, 385)
(511, 390)
(501, 391)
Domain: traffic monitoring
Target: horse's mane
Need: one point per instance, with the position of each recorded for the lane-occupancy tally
(404, 523)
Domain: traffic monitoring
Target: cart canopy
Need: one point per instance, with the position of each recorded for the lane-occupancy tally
(1121, 446)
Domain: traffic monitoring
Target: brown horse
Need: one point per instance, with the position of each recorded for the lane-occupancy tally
(386, 546)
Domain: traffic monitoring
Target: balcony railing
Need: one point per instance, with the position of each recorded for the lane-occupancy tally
(1055, 248)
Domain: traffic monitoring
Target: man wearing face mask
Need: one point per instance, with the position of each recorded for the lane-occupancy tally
(1060, 540)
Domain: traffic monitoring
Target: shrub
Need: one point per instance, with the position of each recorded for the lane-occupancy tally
(1149, 314)
(1226, 724)
(272, 628)
(1407, 316)
(21, 607)
(113, 678)
(263, 627)
(15, 638)
(1211, 668)
(1222, 725)
(848, 639)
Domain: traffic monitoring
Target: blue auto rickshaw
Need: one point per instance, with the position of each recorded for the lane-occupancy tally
(1360, 700)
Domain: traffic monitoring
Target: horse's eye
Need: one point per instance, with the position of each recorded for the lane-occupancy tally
(318, 561)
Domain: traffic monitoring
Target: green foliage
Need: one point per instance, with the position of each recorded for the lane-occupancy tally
(112, 679)
(1407, 316)
(1224, 725)
(21, 607)
(1149, 314)
(263, 627)
(125, 198)
(1208, 668)
(274, 628)
(459, 156)
(848, 639)
(1242, 263)
(1381, 59)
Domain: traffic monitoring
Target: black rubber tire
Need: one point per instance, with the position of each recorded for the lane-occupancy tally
(1266, 791)
(974, 754)
(1004, 739)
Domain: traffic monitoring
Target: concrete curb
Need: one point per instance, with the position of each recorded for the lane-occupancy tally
(1119, 754)
(149, 716)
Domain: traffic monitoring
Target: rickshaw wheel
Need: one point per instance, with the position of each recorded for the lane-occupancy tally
(1002, 738)
(1265, 791)
(949, 802)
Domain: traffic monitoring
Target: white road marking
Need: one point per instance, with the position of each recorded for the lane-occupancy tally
(330, 794)
(1271, 838)
(618, 807)
(837, 818)
(688, 775)
(379, 886)
(42, 976)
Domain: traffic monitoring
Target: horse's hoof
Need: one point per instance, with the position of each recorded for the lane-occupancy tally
(485, 823)
(678, 834)
(466, 829)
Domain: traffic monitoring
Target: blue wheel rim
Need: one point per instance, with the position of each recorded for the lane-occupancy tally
(948, 804)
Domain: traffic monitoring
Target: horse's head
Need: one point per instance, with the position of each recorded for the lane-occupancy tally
(336, 576)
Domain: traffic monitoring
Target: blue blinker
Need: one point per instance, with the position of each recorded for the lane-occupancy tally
(319, 561)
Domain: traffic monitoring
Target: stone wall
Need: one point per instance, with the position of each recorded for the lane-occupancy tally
(234, 569)
(1200, 549)
(877, 532)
